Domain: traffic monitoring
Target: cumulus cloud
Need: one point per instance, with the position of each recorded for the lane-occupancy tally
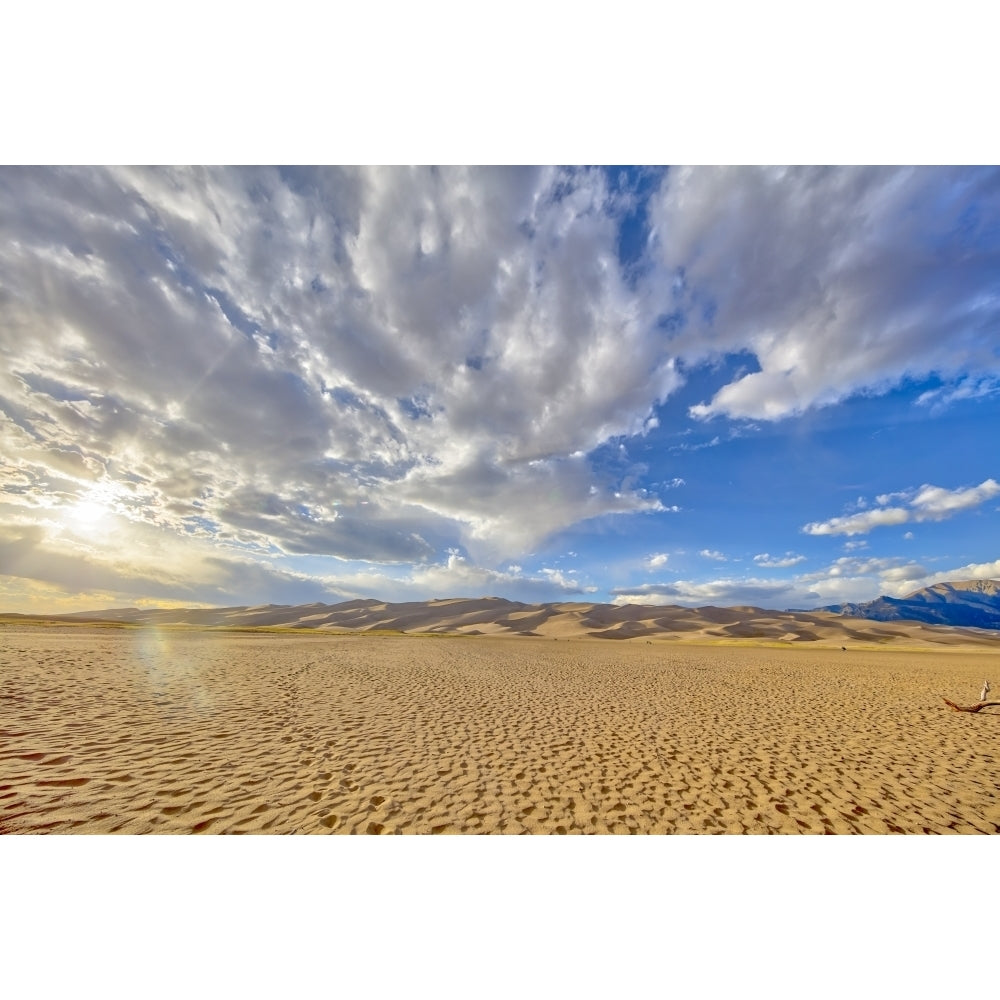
(712, 554)
(836, 281)
(928, 503)
(935, 503)
(657, 559)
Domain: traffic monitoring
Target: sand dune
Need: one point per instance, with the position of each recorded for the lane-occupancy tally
(197, 731)
(492, 615)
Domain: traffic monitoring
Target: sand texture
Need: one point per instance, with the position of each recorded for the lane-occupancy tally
(153, 730)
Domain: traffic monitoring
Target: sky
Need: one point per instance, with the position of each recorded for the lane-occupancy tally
(753, 386)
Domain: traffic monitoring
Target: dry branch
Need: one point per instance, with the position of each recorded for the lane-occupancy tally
(970, 708)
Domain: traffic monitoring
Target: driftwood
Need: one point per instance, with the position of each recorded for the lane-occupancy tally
(978, 707)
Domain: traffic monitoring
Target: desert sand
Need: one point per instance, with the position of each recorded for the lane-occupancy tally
(496, 616)
(194, 730)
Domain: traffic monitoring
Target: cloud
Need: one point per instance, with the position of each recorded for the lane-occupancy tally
(935, 503)
(848, 579)
(928, 503)
(387, 365)
(140, 566)
(697, 447)
(724, 592)
(836, 281)
(968, 387)
(375, 363)
(904, 578)
(657, 560)
(457, 576)
(970, 571)
(858, 524)
(712, 554)
(852, 580)
(778, 562)
(69, 574)
(887, 568)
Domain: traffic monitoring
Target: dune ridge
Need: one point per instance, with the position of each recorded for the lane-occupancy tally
(497, 616)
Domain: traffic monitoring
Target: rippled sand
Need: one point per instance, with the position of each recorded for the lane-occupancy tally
(187, 731)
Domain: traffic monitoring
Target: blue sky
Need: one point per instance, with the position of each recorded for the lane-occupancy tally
(687, 386)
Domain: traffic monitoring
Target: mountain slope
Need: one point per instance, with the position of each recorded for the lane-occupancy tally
(966, 603)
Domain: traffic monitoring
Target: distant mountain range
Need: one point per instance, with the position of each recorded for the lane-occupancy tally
(917, 619)
(968, 603)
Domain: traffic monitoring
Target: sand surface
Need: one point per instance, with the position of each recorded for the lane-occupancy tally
(108, 730)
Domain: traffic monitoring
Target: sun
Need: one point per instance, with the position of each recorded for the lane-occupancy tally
(91, 511)
(87, 513)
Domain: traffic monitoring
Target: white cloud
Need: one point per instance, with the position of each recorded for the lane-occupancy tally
(657, 560)
(969, 387)
(712, 554)
(849, 579)
(887, 568)
(858, 524)
(778, 562)
(929, 503)
(838, 281)
(855, 580)
(458, 577)
(723, 592)
(697, 447)
(935, 503)
(970, 571)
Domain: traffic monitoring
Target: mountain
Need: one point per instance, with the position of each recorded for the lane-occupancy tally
(965, 603)
(842, 626)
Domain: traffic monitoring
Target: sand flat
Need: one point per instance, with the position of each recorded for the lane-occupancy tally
(194, 731)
